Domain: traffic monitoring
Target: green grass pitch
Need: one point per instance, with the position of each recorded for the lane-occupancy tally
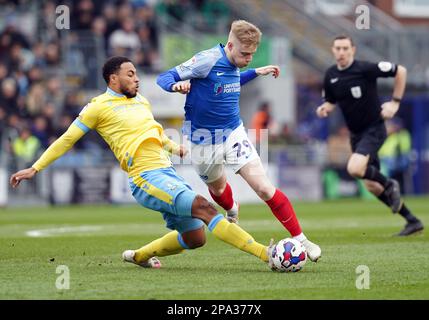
(89, 240)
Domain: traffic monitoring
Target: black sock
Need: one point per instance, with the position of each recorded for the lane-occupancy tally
(406, 213)
(383, 198)
(372, 173)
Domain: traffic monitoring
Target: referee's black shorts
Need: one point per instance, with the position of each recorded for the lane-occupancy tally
(369, 141)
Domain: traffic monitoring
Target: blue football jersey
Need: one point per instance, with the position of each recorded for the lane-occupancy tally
(212, 106)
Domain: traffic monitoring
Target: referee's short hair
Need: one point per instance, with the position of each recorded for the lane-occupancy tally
(112, 65)
(342, 37)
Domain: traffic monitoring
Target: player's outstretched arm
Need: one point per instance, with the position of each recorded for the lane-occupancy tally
(251, 74)
(25, 174)
(390, 108)
(55, 150)
(273, 70)
(325, 109)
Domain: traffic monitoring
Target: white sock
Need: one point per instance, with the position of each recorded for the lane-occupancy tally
(301, 237)
(234, 208)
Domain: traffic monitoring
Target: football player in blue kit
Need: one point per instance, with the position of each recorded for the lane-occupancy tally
(214, 127)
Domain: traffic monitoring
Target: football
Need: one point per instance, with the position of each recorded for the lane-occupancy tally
(289, 255)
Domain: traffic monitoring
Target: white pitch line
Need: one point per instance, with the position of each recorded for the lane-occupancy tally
(159, 228)
(61, 230)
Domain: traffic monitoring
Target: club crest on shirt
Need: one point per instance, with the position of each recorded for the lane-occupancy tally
(356, 92)
(218, 88)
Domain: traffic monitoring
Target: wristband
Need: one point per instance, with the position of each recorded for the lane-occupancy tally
(396, 99)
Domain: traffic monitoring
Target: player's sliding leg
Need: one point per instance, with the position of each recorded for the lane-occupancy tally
(413, 225)
(228, 232)
(185, 212)
(163, 191)
(221, 192)
(171, 243)
(254, 173)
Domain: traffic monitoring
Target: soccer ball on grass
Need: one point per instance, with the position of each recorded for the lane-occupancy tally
(288, 255)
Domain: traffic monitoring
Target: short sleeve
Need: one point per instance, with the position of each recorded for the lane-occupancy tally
(382, 69)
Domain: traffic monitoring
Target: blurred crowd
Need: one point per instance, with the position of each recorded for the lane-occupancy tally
(37, 102)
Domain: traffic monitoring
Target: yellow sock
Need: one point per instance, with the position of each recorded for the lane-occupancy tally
(165, 246)
(231, 233)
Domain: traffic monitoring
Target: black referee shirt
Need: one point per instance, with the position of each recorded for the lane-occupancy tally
(355, 91)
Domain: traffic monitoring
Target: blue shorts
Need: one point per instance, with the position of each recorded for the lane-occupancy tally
(164, 191)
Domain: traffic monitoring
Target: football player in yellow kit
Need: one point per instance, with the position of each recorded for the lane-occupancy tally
(123, 118)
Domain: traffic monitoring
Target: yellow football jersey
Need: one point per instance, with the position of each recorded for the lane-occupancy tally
(128, 127)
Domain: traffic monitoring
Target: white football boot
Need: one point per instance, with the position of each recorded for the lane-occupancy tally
(232, 214)
(128, 256)
(313, 250)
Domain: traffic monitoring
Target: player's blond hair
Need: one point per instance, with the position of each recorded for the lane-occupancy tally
(245, 32)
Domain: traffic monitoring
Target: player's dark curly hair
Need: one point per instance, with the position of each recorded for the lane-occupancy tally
(112, 65)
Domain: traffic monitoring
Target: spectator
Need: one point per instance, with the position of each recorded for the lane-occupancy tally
(9, 96)
(109, 14)
(38, 51)
(125, 41)
(99, 29)
(15, 58)
(36, 99)
(52, 54)
(286, 136)
(144, 55)
(146, 17)
(53, 91)
(83, 15)
(261, 120)
(339, 150)
(22, 82)
(47, 23)
(395, 152)
(41, 131)
(11, 131)
(35, 75)
(124, 12)
(25, 147)
(72, 107)
(13, 35)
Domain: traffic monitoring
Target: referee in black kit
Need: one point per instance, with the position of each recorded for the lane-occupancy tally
(353, 85)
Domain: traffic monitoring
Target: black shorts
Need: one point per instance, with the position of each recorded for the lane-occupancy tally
(369, 142)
